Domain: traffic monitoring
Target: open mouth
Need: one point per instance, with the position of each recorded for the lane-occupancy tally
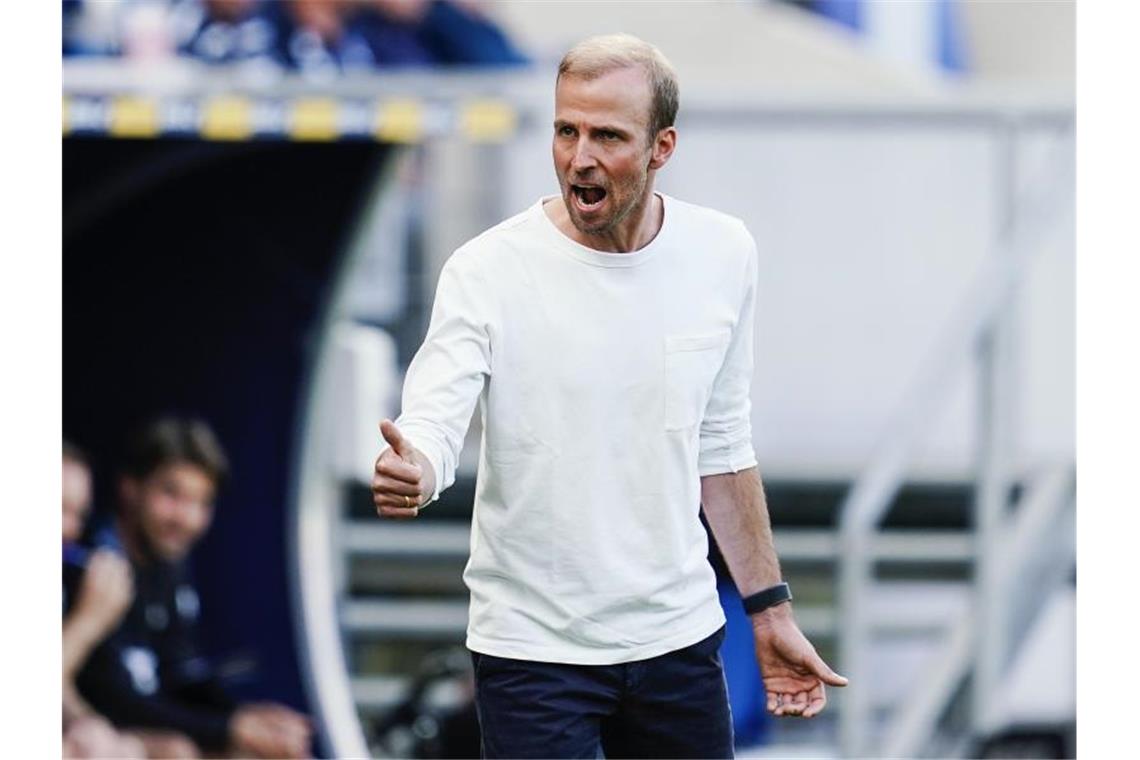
(588, 197)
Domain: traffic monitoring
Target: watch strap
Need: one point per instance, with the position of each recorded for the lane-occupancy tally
(766, 598)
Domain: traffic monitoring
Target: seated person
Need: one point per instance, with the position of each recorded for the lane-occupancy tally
(317, 38)
(102, 598)
(453, 33)
(149, 674)
(327, 37)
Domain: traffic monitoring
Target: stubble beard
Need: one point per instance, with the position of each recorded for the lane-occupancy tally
(605, 226)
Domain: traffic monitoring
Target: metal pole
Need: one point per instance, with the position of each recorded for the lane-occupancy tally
(854, 579)
(996, 405)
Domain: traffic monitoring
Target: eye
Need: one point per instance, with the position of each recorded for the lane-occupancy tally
(608, 135)
(566, 130)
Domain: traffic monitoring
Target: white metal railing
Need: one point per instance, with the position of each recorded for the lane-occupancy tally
(983, 321)
(917, 718)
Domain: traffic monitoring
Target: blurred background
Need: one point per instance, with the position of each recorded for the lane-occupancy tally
(258, 197)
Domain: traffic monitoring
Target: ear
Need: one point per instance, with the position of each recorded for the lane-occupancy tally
(663, 146)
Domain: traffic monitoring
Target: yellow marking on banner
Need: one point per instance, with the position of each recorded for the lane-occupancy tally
(488, 120)
(227, 118)
(66, 115)
(400, 121)
(314, 119)
(134, 117)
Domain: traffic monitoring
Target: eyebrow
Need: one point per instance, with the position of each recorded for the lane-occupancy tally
(560, 123)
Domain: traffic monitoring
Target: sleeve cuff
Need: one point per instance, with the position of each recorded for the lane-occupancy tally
(727, 458)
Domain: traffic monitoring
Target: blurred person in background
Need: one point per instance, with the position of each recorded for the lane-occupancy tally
(458, 33)
(91, 27)
(224, 31)
(321, 39)
(76, 493)
(606, 335)
(325, 36)
(103, 595)
(149, 674)
(318, 39)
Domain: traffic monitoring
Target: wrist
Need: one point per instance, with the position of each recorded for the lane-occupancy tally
(776, 613)
(767, 598)
(427, 479)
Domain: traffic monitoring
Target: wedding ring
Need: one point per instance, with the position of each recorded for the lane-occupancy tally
(408, 502)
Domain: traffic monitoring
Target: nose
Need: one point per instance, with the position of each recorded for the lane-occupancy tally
(191, 515)
(583, 158)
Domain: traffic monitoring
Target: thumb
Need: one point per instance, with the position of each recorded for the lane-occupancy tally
(396, 440)
(826, 674)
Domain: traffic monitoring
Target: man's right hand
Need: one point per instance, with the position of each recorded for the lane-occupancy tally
(402, 480)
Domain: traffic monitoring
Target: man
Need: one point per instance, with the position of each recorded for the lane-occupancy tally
(606, 334)
(149, 674)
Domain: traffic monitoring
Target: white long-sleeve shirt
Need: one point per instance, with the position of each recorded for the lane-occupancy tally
(608, 384)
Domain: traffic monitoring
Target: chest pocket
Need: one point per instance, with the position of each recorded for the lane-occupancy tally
(691, 364)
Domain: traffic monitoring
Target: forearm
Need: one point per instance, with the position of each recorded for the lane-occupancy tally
(74, 706)
(448, 372)
(80, 636)
(737, 512)
(209, 727)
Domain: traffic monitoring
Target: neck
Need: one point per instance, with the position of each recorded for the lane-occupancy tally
(132, 541)
(632, 233)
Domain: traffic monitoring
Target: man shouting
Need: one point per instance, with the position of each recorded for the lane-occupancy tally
(606, 334)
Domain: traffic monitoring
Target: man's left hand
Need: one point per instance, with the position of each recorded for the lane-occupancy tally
(794, 675)
(270, 730)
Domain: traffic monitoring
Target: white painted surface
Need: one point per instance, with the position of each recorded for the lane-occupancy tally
(868, 238)
(1042, 682)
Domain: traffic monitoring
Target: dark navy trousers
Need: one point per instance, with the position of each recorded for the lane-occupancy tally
(670, 706)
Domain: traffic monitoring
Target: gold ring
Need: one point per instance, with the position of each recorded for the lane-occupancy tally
(408, 502)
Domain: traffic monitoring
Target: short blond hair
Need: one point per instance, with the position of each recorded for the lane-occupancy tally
(595, 56)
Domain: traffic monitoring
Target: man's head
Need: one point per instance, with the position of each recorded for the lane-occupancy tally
(76, 491)
(616, 99)
(604, 54)
(173, 470)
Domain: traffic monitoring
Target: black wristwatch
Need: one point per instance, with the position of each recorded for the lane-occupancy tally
(769, 597)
